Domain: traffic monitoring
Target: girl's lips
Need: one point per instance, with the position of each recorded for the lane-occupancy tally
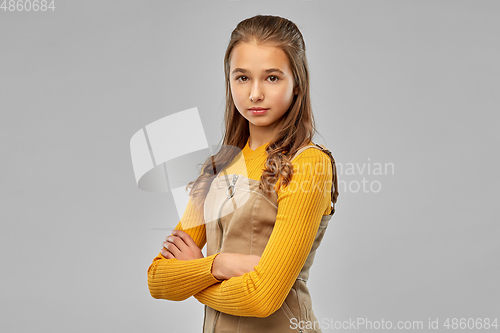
(261, 111)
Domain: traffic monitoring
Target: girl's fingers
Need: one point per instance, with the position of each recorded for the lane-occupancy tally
(172, 247)
(178, 241)
(185, 237)
(182, 246)
(166, 253)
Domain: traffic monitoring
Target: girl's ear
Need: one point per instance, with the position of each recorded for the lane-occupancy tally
(296, 90)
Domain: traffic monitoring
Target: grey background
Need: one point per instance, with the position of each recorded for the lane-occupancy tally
(413, 83)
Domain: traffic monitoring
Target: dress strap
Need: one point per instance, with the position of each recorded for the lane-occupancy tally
(335, 191)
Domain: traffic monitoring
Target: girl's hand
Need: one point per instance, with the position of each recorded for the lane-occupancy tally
(228, 265)
(180, 246)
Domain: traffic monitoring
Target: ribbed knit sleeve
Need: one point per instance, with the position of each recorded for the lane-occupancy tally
(177, 280)
(301, 204)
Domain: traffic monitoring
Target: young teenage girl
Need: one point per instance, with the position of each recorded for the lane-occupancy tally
(261, 216)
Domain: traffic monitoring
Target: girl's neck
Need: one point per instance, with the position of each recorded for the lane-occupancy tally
(256, 143)
(260, 135)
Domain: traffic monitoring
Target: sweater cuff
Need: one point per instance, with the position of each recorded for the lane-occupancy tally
(212, 265)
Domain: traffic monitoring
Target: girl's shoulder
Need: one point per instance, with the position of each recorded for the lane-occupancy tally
(308, 162)
(311, 160)
(312, 152)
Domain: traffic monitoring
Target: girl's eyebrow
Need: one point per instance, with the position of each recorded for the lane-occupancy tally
(267, 71)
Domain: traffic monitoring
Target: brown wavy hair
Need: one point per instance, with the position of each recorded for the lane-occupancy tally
(297, 124)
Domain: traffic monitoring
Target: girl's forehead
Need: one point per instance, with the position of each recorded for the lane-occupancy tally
(251, 56)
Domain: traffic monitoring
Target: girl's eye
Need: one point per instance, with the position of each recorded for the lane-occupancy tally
(274, 76)
(243, 78)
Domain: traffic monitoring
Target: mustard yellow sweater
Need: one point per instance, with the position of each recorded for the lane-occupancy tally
(261, 292)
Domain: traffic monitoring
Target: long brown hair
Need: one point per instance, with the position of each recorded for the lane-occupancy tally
(297, 124)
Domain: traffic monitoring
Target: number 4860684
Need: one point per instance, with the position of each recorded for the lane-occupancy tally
(27, 5)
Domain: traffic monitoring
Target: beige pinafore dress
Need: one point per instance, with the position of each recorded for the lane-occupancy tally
(239, 219)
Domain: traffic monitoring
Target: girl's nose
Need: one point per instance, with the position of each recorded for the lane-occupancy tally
(256, 94)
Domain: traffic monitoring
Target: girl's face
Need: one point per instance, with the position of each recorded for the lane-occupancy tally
(261, 77)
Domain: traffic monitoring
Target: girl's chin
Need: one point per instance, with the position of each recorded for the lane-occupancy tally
(260, 123)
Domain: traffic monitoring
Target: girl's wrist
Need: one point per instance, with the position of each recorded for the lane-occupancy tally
(218, 267)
